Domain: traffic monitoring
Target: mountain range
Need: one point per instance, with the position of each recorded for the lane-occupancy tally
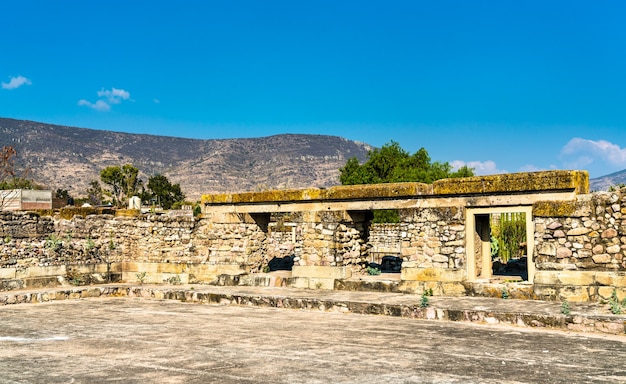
(70, 158)
(603, 183)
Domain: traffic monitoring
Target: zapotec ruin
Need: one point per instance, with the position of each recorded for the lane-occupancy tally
(574, 248)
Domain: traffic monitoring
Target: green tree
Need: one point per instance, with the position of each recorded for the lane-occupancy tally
(123, 182)
(163, 191)
(131, 179)
(114, 178)
(392, 164)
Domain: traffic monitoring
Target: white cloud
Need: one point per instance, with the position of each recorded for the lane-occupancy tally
(580, 153)
(107, 98)
(16, 82)
(99, 105)
(480, 167)
(114, 95)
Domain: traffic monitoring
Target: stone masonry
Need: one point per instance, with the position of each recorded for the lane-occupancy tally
(578, 245)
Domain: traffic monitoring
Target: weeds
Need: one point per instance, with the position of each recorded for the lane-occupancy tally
(565, 309)
(617, 307)
(90, 244)
(54, 242)
(373, 271)
(141, 277)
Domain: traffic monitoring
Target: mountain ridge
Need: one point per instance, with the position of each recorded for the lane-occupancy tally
(70, 157)
(603, 183)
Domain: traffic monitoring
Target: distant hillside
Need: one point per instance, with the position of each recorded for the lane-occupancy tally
(69, 158)
(604, 182)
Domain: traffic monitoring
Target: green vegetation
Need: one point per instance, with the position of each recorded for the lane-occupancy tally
(54, 242)
(141, 277)
(373, 271)
(163, 192)
(392, 164)
(508, 233)
(122, 181)
(424, 302)
(617, 307)
(565, 309)
(615, 188)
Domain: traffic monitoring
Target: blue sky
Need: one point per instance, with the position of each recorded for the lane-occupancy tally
(503, 86)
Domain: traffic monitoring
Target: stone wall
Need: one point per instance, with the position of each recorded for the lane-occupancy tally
(580, 246)
(579, 249)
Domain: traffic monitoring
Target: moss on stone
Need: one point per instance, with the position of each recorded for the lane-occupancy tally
(554, 208)
(577, 181)
(343, 192)
(127, 212)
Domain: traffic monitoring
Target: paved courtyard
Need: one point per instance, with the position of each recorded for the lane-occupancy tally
(123, 340)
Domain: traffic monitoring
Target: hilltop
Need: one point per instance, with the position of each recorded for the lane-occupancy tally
(69, 158)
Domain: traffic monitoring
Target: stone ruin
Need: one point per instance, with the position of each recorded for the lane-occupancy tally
(574, 249)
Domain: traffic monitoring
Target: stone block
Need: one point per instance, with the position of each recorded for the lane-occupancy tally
(135, 266)
(7, 273)
(432, 274)
(605, 292)
(89, 268)
(410, 286)
(55, 270)
(322, 272)
(317, 283)
(171, 268)
(602, 258)
(574, 294)
(546, 277)
(577, 278)
(453, 289)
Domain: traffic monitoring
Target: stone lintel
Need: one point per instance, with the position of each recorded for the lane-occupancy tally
(342, 192)
(530, 182)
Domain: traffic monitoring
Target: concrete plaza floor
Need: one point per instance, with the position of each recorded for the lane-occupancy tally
(207, 334)
(135, 340)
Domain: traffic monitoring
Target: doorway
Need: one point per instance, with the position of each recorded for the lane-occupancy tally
(500, 244)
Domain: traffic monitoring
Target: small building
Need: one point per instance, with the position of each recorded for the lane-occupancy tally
(25, 199)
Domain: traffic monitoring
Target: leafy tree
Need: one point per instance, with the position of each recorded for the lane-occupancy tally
(392, 164)
(123, 182)
(131, 179)
(113, 177)
(165, 192)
